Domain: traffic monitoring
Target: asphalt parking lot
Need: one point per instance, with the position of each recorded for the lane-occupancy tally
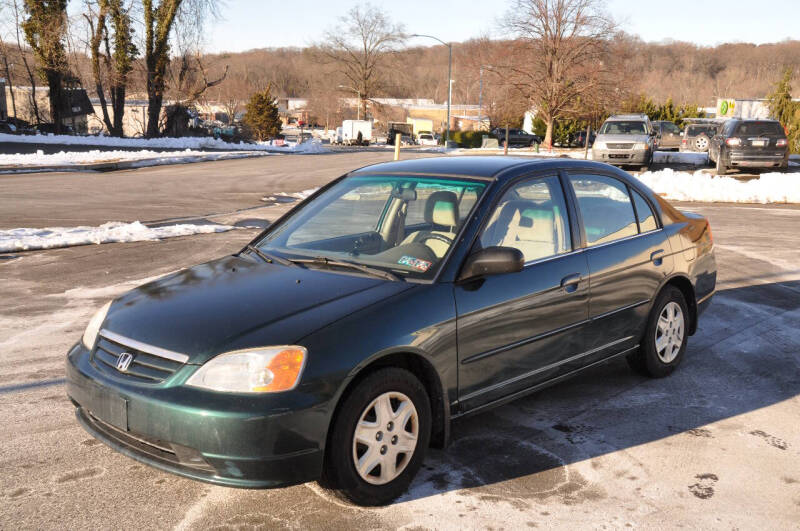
(716, 445)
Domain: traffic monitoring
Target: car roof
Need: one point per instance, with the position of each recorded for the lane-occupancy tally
(642, 117)
(480, 167)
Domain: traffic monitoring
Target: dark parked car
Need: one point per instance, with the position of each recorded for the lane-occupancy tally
(50, 129)
(668, 135)
(7, 128)
(697, 136)
(516, 137)
(579, 139)
(749, 144)
(345, 338)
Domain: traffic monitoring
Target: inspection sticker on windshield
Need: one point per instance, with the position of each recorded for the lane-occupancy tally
(416, 263)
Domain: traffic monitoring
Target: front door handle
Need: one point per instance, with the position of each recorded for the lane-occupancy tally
(570, 282)
(657, 257)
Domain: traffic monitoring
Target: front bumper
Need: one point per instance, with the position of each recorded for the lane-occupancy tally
(622, 157)
(231, 440)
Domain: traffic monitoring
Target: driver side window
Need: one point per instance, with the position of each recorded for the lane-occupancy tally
(531, 217)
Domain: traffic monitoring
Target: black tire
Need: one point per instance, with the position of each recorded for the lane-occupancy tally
(646, 360)
(722, 169)
(340, 472)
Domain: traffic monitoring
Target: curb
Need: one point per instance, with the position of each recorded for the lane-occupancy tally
(119, 165)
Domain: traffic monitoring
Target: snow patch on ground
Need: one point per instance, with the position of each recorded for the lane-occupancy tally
(27, 239)
(142, 158)
(291, 195)
(701, 186)
(195, 143)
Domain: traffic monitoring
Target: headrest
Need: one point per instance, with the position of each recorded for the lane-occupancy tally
(442, 209)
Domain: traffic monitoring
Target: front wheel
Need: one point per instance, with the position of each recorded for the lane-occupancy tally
(379, 438)
(722, 169)
(665, 339)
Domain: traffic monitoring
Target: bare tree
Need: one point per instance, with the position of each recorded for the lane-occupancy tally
(161, 19)
(21, 54)
(110, 21)
(560, 55)
(359, 46)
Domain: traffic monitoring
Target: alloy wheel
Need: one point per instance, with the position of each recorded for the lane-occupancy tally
(669, 332)
(385, 438)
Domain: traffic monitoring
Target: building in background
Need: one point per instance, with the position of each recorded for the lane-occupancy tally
(75, 107)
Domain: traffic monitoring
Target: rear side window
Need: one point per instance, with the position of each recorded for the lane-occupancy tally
(606, 208)
(759, 129)
(647, 220)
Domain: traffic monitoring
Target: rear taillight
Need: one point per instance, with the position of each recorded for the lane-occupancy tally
(683, 142)
(734, 141)
(781, 142)
(708, 229)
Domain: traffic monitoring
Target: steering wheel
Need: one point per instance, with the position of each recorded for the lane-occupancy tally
(440, 237)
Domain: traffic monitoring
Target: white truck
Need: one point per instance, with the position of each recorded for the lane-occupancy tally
(356, 132)
(419, 126)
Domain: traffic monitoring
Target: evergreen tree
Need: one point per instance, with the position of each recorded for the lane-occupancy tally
(785, 110)
(45, 30)
(261, 116)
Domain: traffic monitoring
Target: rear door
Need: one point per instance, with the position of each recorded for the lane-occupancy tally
(628, 255)
(517, 329)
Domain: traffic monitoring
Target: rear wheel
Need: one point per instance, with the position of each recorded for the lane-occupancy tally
(722, 169)
(379, 438)
(665, 339)
(702, 142)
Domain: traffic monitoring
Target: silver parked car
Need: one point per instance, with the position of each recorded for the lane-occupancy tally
(625, 140)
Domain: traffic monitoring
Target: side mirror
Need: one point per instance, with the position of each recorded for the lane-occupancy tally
(492, 261)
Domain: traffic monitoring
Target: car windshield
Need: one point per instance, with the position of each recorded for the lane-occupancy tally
(759, 129)
(402, 224)
(619, 127)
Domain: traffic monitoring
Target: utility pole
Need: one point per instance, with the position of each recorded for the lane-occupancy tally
(449, 80)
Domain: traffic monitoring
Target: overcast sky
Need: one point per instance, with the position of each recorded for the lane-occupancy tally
(251, 24)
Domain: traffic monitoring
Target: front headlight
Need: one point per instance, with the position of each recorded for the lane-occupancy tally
(639, 146)
(599, 145)
(90, 335)
(260, 370)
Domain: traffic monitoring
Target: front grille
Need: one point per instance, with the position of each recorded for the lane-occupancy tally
(144, 368)
(619, 146)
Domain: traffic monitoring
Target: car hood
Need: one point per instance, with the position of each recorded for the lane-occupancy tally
(622, 138)
(235, 303)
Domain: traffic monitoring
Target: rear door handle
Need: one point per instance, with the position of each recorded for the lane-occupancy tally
(657, 257)
(570, 282)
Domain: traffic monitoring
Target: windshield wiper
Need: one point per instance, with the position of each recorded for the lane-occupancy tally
(267, 257)
(321, 261)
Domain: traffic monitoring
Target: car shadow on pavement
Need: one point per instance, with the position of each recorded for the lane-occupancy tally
(743, 358)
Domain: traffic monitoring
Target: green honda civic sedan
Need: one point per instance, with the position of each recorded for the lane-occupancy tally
(343, 341)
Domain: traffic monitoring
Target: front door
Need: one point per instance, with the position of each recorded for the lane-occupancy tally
(515, 330)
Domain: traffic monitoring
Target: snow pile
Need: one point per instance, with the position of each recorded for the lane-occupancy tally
(195, 143)
(702, 186)
(289, 195)
(26, 239)
(148, 158)
(677, 157)
(308, 147)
